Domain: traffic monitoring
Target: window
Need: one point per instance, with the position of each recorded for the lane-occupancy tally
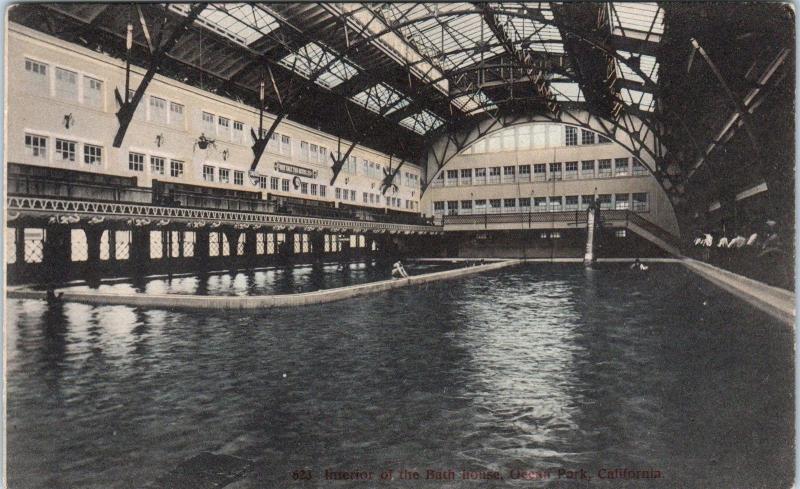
(286, 145)
(238, 177)
(525, 202)
(621, 167)
(480, 176)
(353, 195)
(93, 92)
(480, 205)
(92, 155)
(640, 202)
(555, 203)
(602, 139)
(285, 184)
(571, 170)
(452, 177)
(224, 175)
(208, 124)
(494, 174)
(176, 168)
(273, 183)
(261, 182)
(304, 150)
(587, 169)
(36, 146)
(571, 202)
(438, 207)
(510, 203)
(224, 126)
(176, 114)
(452, 207)
(620, 233)
(571, 136)
(338, 193)
(238, 132)
(494, 206)
(539, 172)
(365, 198)
(604, 200)
(555, 171)
(621, 202)
(586, 201)
(304, 188)
(603, 168)
(540, 204)
(638, 168)
(37, 79)
(158, 110)
(466, 206)
(313, 155)
(313, 189)
(208, 173)
(322, 190)
(466, 177)
(587, 137)
(135, 162)
(156, 165)
(323, 154)
(508, 174)
(66, 84)
(65, 150)
(525, 173)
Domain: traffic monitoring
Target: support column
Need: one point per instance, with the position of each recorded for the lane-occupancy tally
(317, 241)
(19, 245)
(588, 257)
(57, 253)
(201, 248)
(139, 251)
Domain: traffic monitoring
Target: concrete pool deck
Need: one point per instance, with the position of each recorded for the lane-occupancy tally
(178, 301)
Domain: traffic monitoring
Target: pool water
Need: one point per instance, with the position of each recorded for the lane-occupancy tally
(270, 281)
(528, 368)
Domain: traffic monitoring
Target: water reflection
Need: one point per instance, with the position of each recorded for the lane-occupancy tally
(538, 367)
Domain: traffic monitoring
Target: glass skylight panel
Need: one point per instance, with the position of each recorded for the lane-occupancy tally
(381, 97)
(639, 20)
(243, 23)
(644, 100)
(531, 28)
(474, 103)
(567, 91)
(312, 57)
(647, 64)
(422, 122)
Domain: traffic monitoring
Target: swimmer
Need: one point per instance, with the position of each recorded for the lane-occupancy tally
(638, 265)
(398, 271)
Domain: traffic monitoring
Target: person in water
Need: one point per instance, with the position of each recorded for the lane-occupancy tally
(638, 265)
(398, 271)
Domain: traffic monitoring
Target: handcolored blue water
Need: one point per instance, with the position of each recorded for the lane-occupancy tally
(535, 368)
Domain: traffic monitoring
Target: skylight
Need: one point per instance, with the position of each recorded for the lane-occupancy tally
(422, 122)
(530, 28)
(647, 64)
(381, 97)
(567, 91)
(643, 100)
(474, 103)
(637, 20)
(242, 23)
(312, 57)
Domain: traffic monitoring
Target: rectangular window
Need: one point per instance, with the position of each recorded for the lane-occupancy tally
(365, 197)
(176, 168)
(36, 79)
(238, 132)
(452, 207)
(238, 177)
(322, 189)
(555, 203)
(587, 169)
(304, 150)
(525, 202)
(621, 202)
(338, 193)
(176, 114)
(555, 171)
(224, 175)
(494, 206)
(92, 155)
(286, 145)
(156, 165)
(135, 162)
(509, 172)
(638, 168)
(571, 170)
(466, 177)
(510, 204)
(603, 168)
(587, 137)
(540, 204)
(285, 184)
(273, 183)
(209, 129)
(586, 201)
(208, 173)
(604, 200)
(36, 146)
(66, 84)
(571, 203)
(620, 233)
(540, 172)
(621, 167)
(158, 110)
(65, 150)
(313, 189)
(304, 188)
(353, 195)
(524, 173)
(93, 92)
(640, 202)
(480, 176)
(452, 177)
(261, 182)
(224, 127)
(494, 174)
(571, 136)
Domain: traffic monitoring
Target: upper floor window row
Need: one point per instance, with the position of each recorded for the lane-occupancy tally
(67, 85)
(535, 136)
(37, 148)
(313, 153)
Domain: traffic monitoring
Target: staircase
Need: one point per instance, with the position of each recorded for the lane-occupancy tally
(655, 234)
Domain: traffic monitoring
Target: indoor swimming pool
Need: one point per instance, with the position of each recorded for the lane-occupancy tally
(531, 368)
